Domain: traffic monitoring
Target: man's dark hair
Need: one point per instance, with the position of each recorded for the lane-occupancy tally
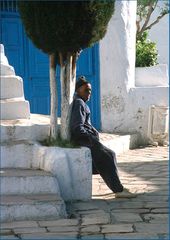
(80, 82)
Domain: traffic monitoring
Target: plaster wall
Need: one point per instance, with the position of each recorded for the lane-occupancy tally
(124, 106)
(137, 109)
(72, 168)
(151, 76)
(159, 33)
(117, 66)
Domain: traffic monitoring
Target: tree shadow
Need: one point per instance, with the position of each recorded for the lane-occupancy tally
(149, 179)
(145, 178)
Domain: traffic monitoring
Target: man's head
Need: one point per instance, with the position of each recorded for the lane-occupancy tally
(83, 88)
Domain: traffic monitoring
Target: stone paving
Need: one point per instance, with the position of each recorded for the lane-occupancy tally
(145, 172)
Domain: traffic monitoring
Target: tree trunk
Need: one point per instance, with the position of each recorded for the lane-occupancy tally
(54, 99)
(68, 79)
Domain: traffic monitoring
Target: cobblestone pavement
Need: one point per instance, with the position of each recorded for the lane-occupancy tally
(145, 172)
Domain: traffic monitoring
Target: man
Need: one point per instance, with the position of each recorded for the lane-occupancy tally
(84, 134)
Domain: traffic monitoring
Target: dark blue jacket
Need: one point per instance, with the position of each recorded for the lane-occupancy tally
(82, 132)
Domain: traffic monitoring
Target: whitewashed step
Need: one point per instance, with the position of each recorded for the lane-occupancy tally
(17, 154)
(14, 108)
(34, 129)
(11, 87)
(32, 207)
(3, 58)
(27, 181)
(71, 166)
(7, 70)
(119, 143)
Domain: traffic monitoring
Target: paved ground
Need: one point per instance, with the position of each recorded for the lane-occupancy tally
(145, 172)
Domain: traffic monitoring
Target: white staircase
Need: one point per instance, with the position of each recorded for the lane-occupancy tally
(29, 194)
(26, 193)
(12, 102)
(27, 181)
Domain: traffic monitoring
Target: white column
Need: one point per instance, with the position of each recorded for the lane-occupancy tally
(117, 62)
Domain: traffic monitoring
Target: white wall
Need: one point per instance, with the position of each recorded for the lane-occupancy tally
(117, 64)
(124, 107)
(159, 33)
(153, 76)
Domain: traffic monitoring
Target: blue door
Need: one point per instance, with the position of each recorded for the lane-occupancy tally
(33, 65)
(38, 80)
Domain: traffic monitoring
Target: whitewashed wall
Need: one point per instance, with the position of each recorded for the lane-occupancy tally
(125, 107)
(159, 33)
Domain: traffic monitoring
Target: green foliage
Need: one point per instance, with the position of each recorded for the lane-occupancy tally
(143, 5)
(65, 26)
(146, 52)
(58, 143)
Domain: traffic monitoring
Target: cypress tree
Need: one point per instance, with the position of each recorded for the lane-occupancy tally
(62, 29)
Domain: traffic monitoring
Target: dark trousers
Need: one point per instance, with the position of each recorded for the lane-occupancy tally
(104, 163)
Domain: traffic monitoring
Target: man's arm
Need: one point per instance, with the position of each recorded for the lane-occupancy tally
(78, 117)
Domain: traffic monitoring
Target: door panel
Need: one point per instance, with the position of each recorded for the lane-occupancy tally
(41, 104)
(12, 39)
(85, 63)
(38, 80)
(38, 65)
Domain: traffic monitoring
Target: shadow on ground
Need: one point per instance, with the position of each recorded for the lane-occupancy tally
(147, 213)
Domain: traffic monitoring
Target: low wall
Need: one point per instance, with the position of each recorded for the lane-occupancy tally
(140, 100)
(151, 76)
(128, 112)
(71, 166)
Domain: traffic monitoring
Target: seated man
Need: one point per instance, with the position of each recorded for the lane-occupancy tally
(84, 134)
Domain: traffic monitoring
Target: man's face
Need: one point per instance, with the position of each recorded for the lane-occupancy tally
(85, 91)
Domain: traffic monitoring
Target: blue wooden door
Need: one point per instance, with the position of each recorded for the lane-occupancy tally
(38, 80)
(33, 66)
(88, 66)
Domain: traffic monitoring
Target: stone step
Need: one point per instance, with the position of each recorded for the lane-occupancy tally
(38, 126)
(14, 108)
(71, 166)
(32, 207)
(17, 154)
(119, 143)
(11, 87)
(21, 154)
(3, 58)
(27, 181)
(7, 70)
(34, 129)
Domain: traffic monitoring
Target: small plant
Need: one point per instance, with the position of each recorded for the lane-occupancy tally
(58, 143)
(146, 52)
